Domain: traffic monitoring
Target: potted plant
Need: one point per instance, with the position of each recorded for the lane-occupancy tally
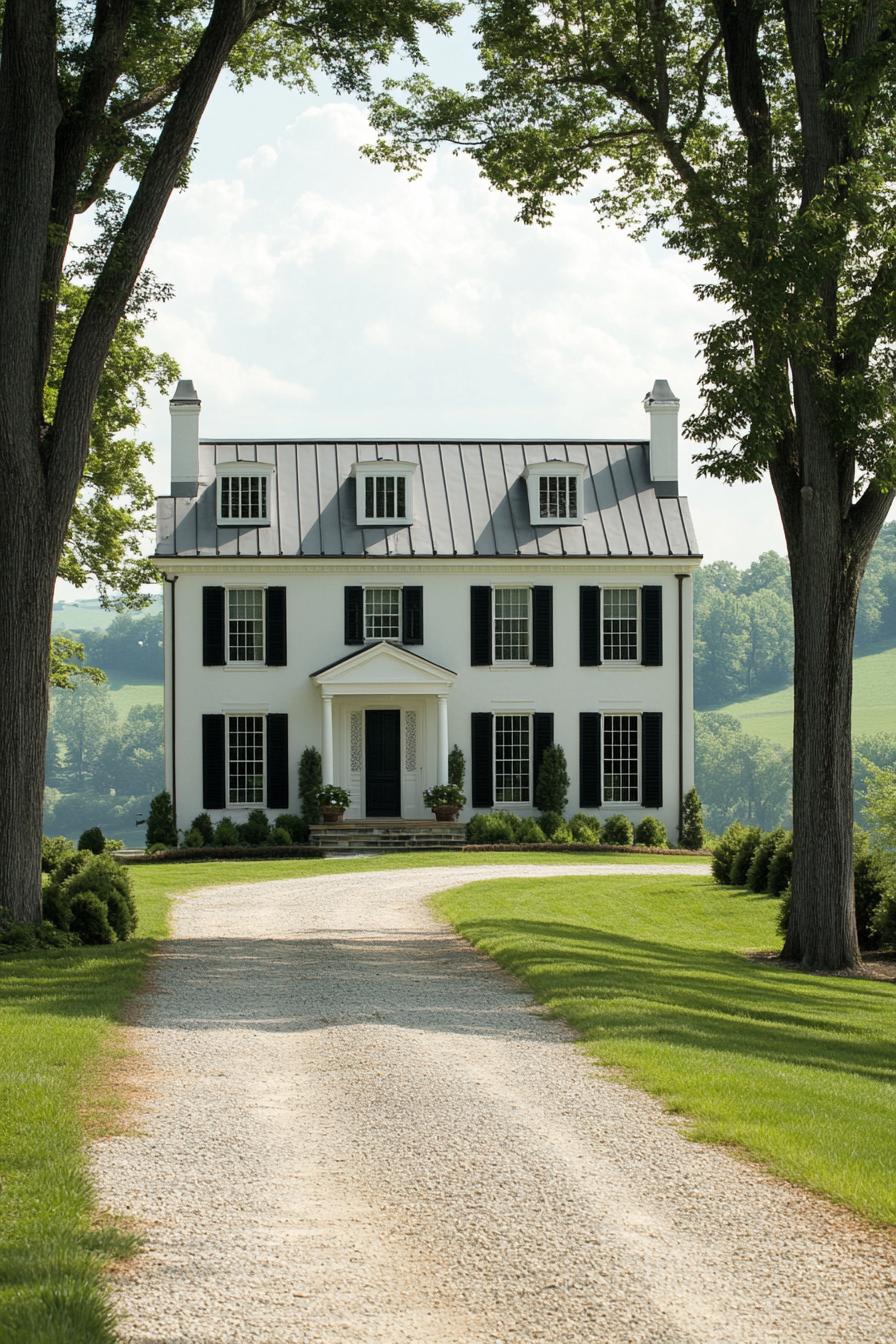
(445, 800)
(333, 802)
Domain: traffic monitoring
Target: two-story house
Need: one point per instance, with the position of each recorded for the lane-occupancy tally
(383, 600)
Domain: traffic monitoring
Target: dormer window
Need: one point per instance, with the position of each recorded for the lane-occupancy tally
(555, 493)
(244, 490)
(384, 493)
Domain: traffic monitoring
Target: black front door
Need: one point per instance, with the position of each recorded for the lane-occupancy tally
(382, 733)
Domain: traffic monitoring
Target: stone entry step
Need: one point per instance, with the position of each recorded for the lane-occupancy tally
(396, 835)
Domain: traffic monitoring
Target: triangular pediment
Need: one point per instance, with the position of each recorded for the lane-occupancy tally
(384, 667)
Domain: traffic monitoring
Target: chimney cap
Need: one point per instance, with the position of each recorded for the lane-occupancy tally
(660, 393)
(185, 394)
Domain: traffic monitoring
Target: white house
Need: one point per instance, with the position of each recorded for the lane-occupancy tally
(383, 600)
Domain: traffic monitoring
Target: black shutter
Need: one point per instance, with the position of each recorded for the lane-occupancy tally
(589, 627)
(652, 627)
(543, 627)
(275, 627)
(480, 629)
(354, 615)
(213, 628)
(651, 760)
(277, 748)
(542, 738)
(412, 615)
(482, 754)
(590, 761)
(214, 784)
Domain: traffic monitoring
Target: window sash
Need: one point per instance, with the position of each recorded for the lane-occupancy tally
(512, 622)
(243, 498)
(385, 497)
(382, 613)
(558, 497)
(512, 757)
(621, 758)
(245, 625)
(620, 624)
(245, 760)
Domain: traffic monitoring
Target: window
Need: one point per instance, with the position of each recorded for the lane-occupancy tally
(243, 499)
(620, 625)
(512, 622)
(512, 758)
(621, 733)
(245, 625)
(558, 497)
(555, 492)
(384, 492)
(245, 760)
(382, 613)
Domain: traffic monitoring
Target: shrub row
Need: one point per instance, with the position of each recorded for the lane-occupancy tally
(763, 862)
(87, 898)
(505, 828)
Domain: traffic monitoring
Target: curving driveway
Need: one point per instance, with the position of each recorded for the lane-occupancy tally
(357, 1129)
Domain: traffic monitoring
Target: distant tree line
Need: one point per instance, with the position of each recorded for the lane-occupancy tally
(743, 622)
(130, 647)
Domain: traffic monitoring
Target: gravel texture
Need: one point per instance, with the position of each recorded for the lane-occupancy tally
(357, 1129)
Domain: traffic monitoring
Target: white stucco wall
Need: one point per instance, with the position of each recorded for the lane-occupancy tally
(315, 632)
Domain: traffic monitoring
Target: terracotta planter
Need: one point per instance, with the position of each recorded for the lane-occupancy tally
(445, 812)
(331, 814)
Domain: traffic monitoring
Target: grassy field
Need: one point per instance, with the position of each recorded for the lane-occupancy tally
(874, 704)
(87, 614)
(799, 1071)
(127, 694)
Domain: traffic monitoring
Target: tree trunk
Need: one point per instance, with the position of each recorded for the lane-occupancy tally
(822, 930)
(28, 564)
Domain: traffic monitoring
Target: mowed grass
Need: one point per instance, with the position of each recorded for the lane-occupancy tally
(873, 707)
(58, 1016)
(798, 1070)
(125, 695)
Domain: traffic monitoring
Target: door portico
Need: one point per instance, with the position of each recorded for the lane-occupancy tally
(358, 694)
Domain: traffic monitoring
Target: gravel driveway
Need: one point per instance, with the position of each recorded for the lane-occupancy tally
(357, 1129)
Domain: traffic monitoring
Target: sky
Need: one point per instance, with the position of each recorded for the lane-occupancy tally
(317, 294)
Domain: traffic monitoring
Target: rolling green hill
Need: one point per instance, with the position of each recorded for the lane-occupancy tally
(874, 703)
(87, 614)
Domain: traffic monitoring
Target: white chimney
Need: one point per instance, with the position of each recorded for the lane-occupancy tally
(662, 405)
(185, 407)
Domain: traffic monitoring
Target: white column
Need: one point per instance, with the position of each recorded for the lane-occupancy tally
(326, 751)
(443, 740)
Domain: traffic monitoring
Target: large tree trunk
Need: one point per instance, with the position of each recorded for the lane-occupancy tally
(28, 564)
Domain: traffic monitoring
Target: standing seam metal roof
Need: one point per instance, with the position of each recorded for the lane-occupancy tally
(470, 499)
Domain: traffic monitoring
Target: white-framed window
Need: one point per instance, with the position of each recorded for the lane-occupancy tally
(512, 625)
(555, 492)
(382, 613)
(620, 624)
(558, 498)
(245, 760)
(513, 758)
(245, 625)
(384, 492)
(621, 758)
(244, 492)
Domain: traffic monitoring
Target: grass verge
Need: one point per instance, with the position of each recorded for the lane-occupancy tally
(58, 1011)
(798, 1070)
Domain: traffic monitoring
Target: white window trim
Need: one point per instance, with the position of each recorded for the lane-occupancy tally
(362, 471)
(244, 469)
(512, 714)
(621, 662)
(378, 587)
(511, 662)
(244, 662)
(247, 714)
(621, 714)
(533, 475)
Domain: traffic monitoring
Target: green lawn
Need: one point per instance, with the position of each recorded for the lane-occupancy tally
(127, 694)
(58, 1012)
(800, 1071)
(874, 704)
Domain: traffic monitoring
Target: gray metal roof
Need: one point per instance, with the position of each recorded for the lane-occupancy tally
(470, 499)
